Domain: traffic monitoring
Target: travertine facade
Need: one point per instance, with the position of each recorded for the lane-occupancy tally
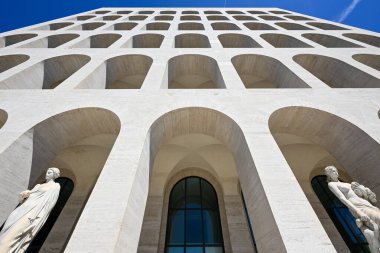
(254, 100)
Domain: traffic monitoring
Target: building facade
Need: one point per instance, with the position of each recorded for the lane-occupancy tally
(189, 130)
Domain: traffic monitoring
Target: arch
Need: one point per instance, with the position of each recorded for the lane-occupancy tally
(297, 17)
(120, 72)
(365, 38)
(244, 17)
(190, 26)
(124, 12)
(370, 60)
(236, 40)
(234, 12)
(258, 26)
(90, 26)
(217, 17)
(84, 17)
(46, 74)
(328, 40)
(77, 141)
(102, 12)
(279, 12)
(146, 12)
(111, 17)
(164, 17)
(145, 40)
(191, 40)
(12, 60)
(224, 26)
(190, 17)
(3, 117)
(212, 12)
(124, 26)
(259, 71)
(54, 26)
(292, 26)
(158, 26)
(137, 17)
(103, 40)
(326, 26)
(270, 17)
(187, 124)
(52, 41)
(283, 41)
(336, 73)
(15, 38)
(311, 139)
(194, 71)
(168, 12)
(257, 12)
(190, 12)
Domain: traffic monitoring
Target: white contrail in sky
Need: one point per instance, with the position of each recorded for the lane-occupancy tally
(346, 12)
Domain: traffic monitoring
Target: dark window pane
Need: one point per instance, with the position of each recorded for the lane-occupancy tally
(194, 227)
(211, 227)
(214, 250)
(194, 250)
(175, 250)
(176, 225)
(209, 197)
(193, 198)
(177, 196)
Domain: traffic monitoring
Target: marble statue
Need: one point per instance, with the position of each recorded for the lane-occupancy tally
(27, 219)
(360, 201)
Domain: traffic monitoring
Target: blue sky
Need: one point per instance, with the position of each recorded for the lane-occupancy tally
(360, 13)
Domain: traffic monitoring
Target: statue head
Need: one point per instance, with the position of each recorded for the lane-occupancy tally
(359, 190)
(332, 174)
(52, 173)
(371, 196)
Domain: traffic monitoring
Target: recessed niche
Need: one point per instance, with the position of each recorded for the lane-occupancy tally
(297, 17)
(89, 26)
(258, 26)
(101, 12)
(190, 12)
(336, 73)
(257, 12)
(46, 74)
(158, 26)
(235, 12)
(326, 26)
(212, 12)
(98, 41)
(236, 40)
(10, 61)
(328, 40)
(85, 17)
(16, 38)
(51, 41)
(217, 17)
(145, 41)
(111, 17)
(292, 26)
(125, 26)
(224, 26)
(168, 12)
(137, 17)
(194, 71)
(371, 60)
(164, 17)
(190, 17)
(54, 26)
(191, 40)
(124, 12)
(269, 17)
(259, 71)
(190, 26)
(3, 118)
(279, 12)
(365, 38)
(146, 12)
(244, 17)
(283, 41)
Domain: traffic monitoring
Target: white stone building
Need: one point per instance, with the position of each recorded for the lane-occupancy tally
(127, 102)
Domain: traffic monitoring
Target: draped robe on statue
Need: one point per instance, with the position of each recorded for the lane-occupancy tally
(27, 219)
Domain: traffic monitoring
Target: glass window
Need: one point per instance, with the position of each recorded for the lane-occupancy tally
(193, 218)
(340, 215)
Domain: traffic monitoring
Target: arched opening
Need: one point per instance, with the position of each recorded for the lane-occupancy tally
(102, 12)
(178, 147)
(279, 12)
(194, 71)
(89, 26)
(270, 17)
(164, 17)
(310, 140)
(217, 17)
(120, 72)
(190, 17)
(137, 17)
(3, 118)
(328, 40)
(258, 26)
(365, 38)
(244, 17)
(235, 12)
(146, 12)
(224, 26)
(125, 26)
(158, 26)
(168, 12)
(145, 41)
(16, 38)
(190, 26)
(98, 41)
(54, 26)
(190, 12)
(370, 60)
(292, 26)
(257, 12)
(336, 73)
(46, 74)
(111, 17)
(10, 61)
(52, 41)
(78, 142)
(124, 12)
(259, 71)
(212, 12)
(236, 40)
(85, 17)
(326, 26)
(297, 17)
(283, 41)
(193, 222)
(191, 40)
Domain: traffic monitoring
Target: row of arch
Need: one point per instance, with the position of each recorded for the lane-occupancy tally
(191, 71)
(192, 12)
(297, 130)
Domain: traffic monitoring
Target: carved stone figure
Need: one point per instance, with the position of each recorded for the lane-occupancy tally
(359, 201)
(27, 219)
